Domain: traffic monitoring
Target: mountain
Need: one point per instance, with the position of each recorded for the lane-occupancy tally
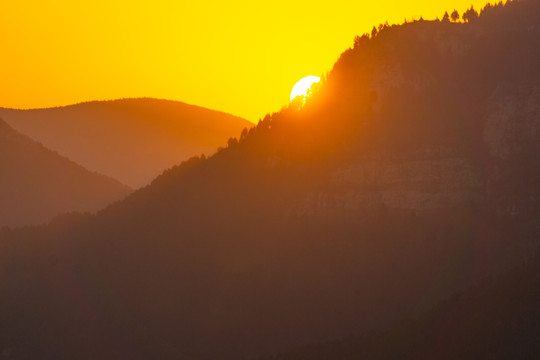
(496, 319)
(411, 173)
(132, 140)
(37, 184)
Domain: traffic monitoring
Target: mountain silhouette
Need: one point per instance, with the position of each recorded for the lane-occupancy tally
(495, 319)
(132, 140)
(37, 184)
(411, 173)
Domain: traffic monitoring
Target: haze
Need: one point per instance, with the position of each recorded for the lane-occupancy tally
(239, 57)
(392, 213)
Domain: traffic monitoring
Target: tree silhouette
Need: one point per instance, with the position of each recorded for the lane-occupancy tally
(359, 40)
(470, 15)
(244, 134)
(374, 32)
(232, 142)
(446, 17)
(454, 16)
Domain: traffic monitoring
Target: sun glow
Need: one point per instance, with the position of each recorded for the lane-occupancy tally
(169, 49)
(303, 85)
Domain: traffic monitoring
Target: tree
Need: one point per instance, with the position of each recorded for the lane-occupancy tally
(244, 133)
(383, 26)
(446, 17)
(359, 40)
(470, 15)
(373, 32)
(454, 16)
(232, 143)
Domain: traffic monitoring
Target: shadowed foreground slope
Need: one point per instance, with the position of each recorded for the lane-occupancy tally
(496, 319)
(412, 173)
(132, 140)
(37, 184)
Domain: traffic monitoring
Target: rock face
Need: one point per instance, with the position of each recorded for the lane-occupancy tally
(414, 185)
(513, 122)
(450, 115)
(509, 134)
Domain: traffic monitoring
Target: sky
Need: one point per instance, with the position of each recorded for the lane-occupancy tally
(241, 57)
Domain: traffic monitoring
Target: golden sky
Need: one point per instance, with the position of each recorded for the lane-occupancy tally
(241, 57)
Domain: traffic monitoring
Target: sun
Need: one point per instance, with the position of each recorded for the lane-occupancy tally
(303, 85)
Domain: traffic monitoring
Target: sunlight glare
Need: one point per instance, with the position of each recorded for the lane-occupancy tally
(303, 85)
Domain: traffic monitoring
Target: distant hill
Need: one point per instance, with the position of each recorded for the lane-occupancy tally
(37, 184)
(132, 140)
(410, 174)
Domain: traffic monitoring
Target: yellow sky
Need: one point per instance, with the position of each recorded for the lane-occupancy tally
(242, 57)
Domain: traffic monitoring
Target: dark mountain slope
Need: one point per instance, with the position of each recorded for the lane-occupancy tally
(411, 173)
(132, 140)
(37, 184)
(496, 319)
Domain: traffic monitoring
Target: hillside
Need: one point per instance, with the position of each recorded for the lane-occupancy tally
(132, 140)
(411, 173)
(37, 184)
(496, 319)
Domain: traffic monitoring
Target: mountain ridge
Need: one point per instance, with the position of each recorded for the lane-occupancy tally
(38, 184)
(132, 140)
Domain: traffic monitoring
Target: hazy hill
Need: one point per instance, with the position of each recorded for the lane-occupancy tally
(132, 140)
(412, 173)
(37, 184)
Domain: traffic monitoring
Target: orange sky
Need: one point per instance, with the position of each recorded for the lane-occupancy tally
(242, 57)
